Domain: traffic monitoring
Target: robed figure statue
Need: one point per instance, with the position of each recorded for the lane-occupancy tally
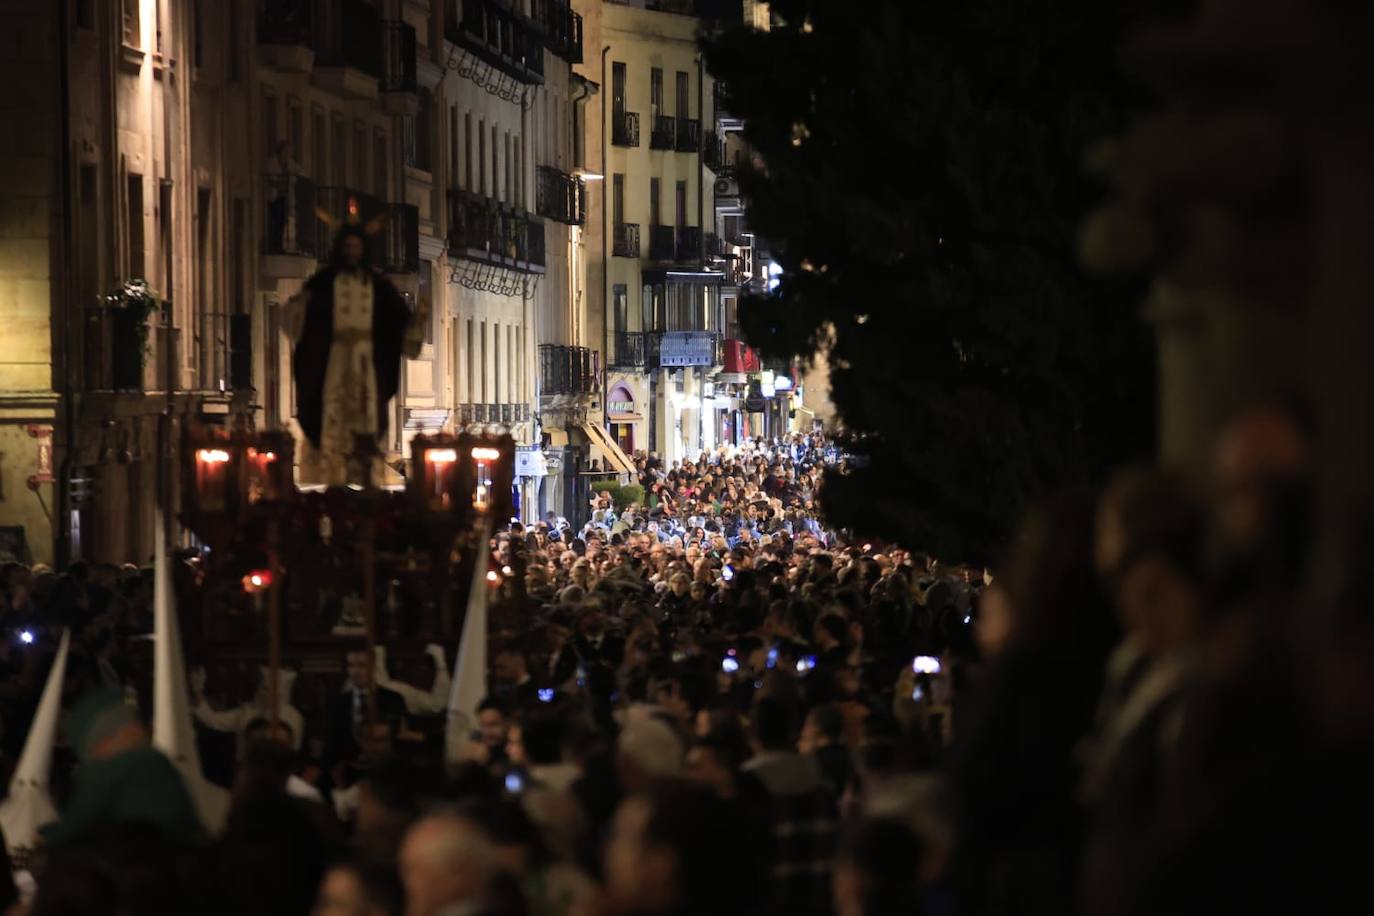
(349, 326)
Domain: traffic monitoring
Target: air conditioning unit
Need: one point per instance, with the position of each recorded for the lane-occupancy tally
(727, 187)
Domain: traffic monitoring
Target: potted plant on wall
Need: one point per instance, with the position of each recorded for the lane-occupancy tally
(128, 306)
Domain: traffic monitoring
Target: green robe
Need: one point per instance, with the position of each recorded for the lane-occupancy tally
(138, 786)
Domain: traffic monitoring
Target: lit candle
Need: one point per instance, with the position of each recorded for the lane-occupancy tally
(212, 467)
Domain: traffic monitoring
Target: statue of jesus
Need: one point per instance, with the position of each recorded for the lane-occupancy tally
(349, 326)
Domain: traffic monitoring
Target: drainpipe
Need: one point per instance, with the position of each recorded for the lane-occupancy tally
(606, 332)
(64, 299)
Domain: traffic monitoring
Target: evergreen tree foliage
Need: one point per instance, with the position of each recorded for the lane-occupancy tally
(920, 177)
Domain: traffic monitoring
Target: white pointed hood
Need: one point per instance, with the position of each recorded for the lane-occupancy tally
(469, 684)
(29, 806)
(173, 731)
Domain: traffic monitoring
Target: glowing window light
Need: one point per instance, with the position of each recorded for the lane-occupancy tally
(212, 455)
(441, 456)
(486, 454)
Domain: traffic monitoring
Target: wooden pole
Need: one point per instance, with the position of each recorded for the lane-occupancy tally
(274, 626)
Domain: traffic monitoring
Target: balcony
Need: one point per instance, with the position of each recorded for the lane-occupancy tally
(469, 414)
(629, 350)
(401, 239)
(689, 244)
(286, 35)
(561, 28)
(625, 128)
(291, 235)
(688, 135)
(489, 232)
(740, 358)
(662, 243)
(119, 344)
(563, 371)
(499, 36)
(661, 137)
(625, 240)
(399, 66)
(679, 349)
(713, 152)
(348, 49)
(560, 197)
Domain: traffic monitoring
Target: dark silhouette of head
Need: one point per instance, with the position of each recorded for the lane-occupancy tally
(350, 248)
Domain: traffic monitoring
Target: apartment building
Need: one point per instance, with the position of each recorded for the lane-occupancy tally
(664, 320)
(190, 144)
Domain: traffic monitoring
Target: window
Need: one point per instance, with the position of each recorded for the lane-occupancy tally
(238, 270)
(519, 173)
(495, 163)
(655, 213)
(482, 188)
(684, 102)
(482, 390)
(681, 205)
(88, 234)
(472, 364)
(340, 173)
(235, 46)
(164, 236)
(426, 298)
(509, 175)
(295, 129)
(656, 91)
(137, 266)
(319, 145)
(618, 198)
(467, 152)
(618, 87)
(197, 32)
(620, 307)
(359, 155)
(498, 383)
(270, 133)
(454, 177)
(132, 23)
(201, 319)
(416, 133)
(85, 15)
(379, 157)
(579, 142)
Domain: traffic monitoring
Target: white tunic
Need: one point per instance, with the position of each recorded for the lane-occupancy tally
(350, 380)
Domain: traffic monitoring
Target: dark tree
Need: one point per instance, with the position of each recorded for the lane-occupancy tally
(921, 174)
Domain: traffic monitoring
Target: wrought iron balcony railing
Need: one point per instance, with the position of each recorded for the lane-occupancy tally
(661, 137)
(560, 197)
(625, 241)
(625, 128)
(289, 213)
(485, 230)
(498, 35)
(688, 135)
(560, 27)
(568, 370)
(689, 244)
(629, 350)
(662, 243)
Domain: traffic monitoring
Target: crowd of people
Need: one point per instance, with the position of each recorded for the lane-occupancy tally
(710, 702)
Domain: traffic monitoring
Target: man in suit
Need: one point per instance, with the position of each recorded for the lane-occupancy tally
(360, 702)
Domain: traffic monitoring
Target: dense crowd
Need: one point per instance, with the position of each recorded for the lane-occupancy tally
(710, 702)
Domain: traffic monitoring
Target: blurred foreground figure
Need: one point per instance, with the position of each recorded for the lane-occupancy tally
(448, 868)
(1013, 775)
